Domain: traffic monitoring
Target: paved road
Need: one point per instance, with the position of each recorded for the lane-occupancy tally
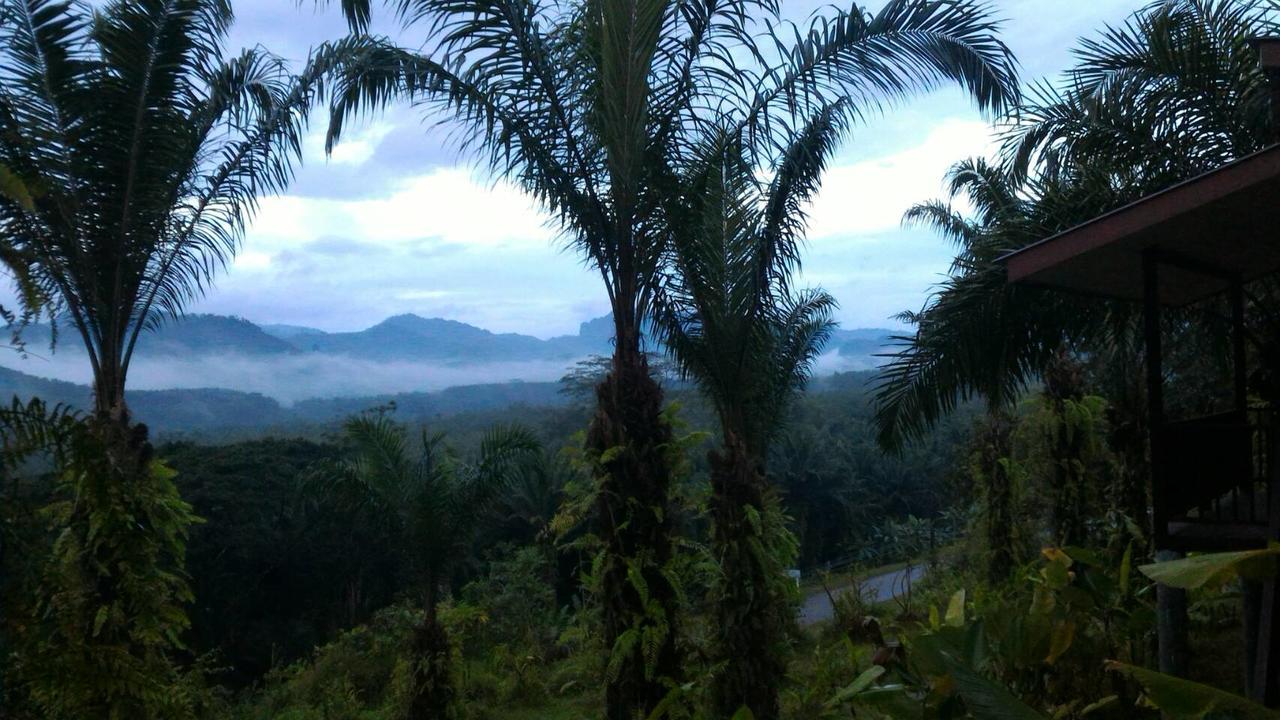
(891, 585)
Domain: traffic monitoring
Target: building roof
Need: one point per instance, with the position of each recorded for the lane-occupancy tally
(1220, 225)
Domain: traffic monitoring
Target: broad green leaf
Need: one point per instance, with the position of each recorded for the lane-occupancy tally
(985, 699)
(955, 610)
(1102, 704)
(12, 187)
(1060, 642)
(892, 701)
(861, 683)
(744, 713)
(1182, 699)
(100, 619)
(612, 454)
(1214, 569)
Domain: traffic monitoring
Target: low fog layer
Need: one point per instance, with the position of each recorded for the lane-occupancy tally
(290, 378)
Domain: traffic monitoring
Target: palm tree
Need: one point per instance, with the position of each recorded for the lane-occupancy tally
(143, 150)
(597, 108)
(1174, 92)
(979, 336)
(133, 152)
(429, 504)
(732, 321)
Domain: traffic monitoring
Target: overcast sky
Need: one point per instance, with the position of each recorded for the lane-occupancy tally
(393, 223)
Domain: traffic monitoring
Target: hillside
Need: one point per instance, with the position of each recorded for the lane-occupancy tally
(207, 409)
(402, 355)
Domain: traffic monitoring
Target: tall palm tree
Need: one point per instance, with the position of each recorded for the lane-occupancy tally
(977, 335)
(133, 152)
(143, 149)
(597, 108)
(428, 503)
(1174, 92)
(733, 322)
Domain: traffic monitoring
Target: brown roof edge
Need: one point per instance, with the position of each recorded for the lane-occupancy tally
(1136, 216)
(1268, 51)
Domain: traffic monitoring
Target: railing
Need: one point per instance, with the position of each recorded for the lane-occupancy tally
(1215, 481)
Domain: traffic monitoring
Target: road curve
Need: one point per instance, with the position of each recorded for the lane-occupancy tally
(877, 588)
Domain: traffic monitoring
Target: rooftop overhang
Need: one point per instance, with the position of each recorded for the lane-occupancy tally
(1206, 232)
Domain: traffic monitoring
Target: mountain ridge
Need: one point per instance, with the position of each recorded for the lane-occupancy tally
(403, 337)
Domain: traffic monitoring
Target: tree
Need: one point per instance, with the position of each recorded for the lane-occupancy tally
(597, 108)
(428, 503)
(749, 341)
(1174, 92)
(978, 335)
(102, 609)
(134, 151)
(145, 150)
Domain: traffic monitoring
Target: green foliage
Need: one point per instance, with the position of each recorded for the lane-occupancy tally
(1180, 699)
(275, 572)
(610, 114)
(428, 503)
(1040, 639)
(361, 675)
(426, 500)
(1215, 569)
(517, 596)
(97, 634)
(144, 149)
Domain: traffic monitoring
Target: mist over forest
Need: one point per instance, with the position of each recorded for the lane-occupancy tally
(403, 354)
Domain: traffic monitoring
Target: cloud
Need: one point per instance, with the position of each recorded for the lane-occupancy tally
(451, 204)
(341, 247)
(870, 196)
(291, 378)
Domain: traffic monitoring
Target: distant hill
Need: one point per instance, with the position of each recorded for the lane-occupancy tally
(410, 337)
(403, 354)
(864, 345)
(162, 410)
(289, 333)
(167, 411)
(190, 334)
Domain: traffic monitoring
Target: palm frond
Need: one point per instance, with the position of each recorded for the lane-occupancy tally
(143, 152)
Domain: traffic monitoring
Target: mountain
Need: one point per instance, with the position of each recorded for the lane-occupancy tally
(185, 336)
(212, 334)
(410, 337)
(206, 409)
(402, 354)
(289, 333)
(863, 345)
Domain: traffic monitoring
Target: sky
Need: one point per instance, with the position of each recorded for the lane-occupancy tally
(393, 222)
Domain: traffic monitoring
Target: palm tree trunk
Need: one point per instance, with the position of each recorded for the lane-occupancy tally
(751, 609)
(1069, 492)
(631, 438)
(993, 457)
(126, 444)
(432, 667)
(432, 672)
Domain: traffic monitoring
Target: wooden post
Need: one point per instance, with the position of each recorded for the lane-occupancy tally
(1266, 677)
(1239, 348)
(1155, 391)
(1171, 603)
(1251, 611)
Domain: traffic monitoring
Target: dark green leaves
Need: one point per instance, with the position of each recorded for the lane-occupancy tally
(142, 153)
